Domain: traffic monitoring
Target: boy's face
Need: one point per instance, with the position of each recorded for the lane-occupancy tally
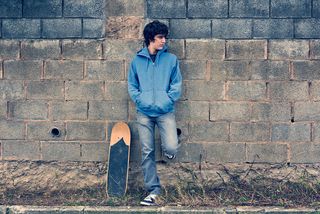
(159, 42)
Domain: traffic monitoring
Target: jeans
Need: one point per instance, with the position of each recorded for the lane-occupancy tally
(169, 143)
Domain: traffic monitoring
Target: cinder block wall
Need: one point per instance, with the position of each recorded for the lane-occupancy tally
(250, 68)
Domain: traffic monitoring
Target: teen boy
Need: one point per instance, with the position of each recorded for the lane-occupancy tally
(154, 85)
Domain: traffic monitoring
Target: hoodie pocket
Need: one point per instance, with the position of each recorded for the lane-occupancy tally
(163, 102)
(144, 100)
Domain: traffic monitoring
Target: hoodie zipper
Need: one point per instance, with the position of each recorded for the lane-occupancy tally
(153, 82)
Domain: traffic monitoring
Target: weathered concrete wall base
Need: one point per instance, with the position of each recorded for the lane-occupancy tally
(51, 177)
(171, 210)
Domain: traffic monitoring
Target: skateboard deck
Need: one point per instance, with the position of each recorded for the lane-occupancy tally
(118, 164)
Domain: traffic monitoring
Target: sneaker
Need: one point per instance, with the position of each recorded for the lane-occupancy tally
(150, 200)
(170, 157)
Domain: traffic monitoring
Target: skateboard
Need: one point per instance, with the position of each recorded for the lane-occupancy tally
(118, 164)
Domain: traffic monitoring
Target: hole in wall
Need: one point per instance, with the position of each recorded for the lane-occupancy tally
(179, 132)
(55, 132)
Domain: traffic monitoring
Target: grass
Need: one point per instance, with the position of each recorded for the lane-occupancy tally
(251, 186)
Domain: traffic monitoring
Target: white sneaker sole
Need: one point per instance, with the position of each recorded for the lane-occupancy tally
(147, 203)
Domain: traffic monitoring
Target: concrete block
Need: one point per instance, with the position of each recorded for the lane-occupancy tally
(190, 152)
(249, 132)
(39, 8)
(269, 28)
(105, 70)
(270, 70)
(230, 111)
(316, 132)
(166, 9)
(246, 49)
(21, 28)
(20, 150)
(315, 49)
(63, 69)
(205, 49)
(292, 132)
(10, 9)
(246, 90)
(121, 49)
(271, 112)
(28, 110)
(87, 8)
(192, 111)
(45, 89)
(61, 28)
(315, 90)
(94, 28)
(82, 49)
(3, 109)
(193, 70)
(290, 8)
(40, 49)
(249, 8)
(288, 49)
(306, 111)
(117, 91)
(306, 70)
(294, 91)
(316, 8)
(93, 90)
(43, 131)
(9, 49)
(22, 70)
(207, 9)
(176, 46)
(307, 28)
(209, 131)
(1, 70)
(125, 7)
(305, 153)
(132, 111)
(190, 28)
(86, 131)
(108, 110)
(12, 130)
(94, 151)
(135, 147)
(124, 27)
(230, 70)
(203, 90)
(224, 152)
(3, 209)
(183, 125)
(11, 90)
(269, 152)
(69, 110)
(61, 151)
(232, 28)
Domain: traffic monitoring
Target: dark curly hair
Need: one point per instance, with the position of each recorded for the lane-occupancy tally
(152, 29)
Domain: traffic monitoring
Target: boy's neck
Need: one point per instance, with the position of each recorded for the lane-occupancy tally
(152, 50)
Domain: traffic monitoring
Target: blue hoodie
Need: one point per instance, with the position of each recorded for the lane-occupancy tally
(154, 86)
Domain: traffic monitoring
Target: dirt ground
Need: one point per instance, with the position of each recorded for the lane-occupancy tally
(185, 184)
